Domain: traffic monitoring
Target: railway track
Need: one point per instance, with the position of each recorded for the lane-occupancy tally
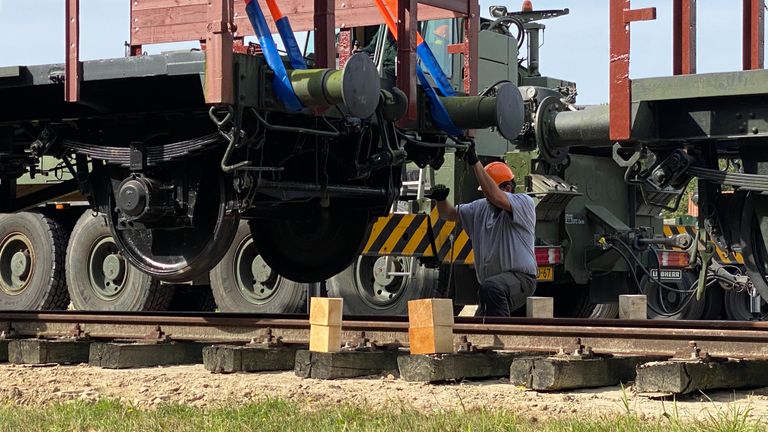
(647, 337)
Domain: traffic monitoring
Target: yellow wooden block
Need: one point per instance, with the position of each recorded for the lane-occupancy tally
(325, 311)
(431, 340)
(430, 312)
(324, 338)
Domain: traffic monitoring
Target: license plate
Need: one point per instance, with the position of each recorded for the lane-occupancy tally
(667, 274)
(546, 274)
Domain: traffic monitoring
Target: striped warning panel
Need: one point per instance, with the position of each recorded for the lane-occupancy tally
(419, 235)
(723, 256)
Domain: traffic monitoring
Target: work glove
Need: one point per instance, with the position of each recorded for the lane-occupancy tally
(439, 192)
(469, 155)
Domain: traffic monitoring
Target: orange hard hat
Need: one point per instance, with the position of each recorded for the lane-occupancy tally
(499, 172)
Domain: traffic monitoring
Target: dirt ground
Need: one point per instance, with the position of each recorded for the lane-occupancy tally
(195, 386)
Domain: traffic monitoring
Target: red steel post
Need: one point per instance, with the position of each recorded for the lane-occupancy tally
(325, 36)
(407, 26)
(753, 47)
(72, 59)
(219, 53)
(621, 15)
(684, 37)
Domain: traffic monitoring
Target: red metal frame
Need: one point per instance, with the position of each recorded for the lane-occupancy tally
(622, 15)
(220, 26)
(684, 61)
(684, 37)
(72, 61)
(753, 46)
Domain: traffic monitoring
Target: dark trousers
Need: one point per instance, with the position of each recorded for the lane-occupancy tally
(501, 294)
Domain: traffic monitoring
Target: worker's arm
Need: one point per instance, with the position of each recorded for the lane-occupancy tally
(445, 209)
(492, 193)
(496, 196)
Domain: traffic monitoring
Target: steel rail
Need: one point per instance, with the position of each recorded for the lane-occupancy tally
(725, 339)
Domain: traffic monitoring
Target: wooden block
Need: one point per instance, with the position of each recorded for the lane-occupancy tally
(325, 311)
(681, 377)
(346, 364)
(431, 340)
(430, 312)
(554, 373)
(231, 358)
(41, 351)
(3, 350)
(633, 307)
(540, 307)
(450, 367)
(138, 354)
(324, 338)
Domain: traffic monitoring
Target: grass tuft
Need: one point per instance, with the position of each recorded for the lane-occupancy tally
(279, 415)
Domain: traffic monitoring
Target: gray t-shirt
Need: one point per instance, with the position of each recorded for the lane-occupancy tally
(502, 241)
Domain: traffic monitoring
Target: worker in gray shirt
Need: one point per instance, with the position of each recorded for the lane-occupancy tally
(502, 229)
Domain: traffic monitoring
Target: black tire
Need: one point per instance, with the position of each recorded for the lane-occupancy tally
(91, 241)
(753, 246)
(238, 290)
(36, 246)
(192, 298)
(605, 311)
(675, 306)
(313, 249)
(363, 295)
(736, 305)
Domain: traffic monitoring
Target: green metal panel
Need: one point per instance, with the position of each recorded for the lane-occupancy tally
(701, 86)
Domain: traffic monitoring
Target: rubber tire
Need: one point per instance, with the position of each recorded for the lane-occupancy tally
(423, 284)
(192, 298)
(141, 293)
(290, 296)
(736, 305)
(605, 311)
(47, 289)
(695, 310)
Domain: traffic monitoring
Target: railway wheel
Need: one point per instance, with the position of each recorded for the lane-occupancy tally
(180, 254)
(192, 298)
(100, 278)
(243, 282)
(32, 250)
(737, 306)
(314, 248)
(381, 286)
(677, 302)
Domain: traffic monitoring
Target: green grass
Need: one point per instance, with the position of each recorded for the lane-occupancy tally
(277, 415)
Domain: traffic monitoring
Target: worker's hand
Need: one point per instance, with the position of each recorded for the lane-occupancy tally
(469, 155)
(439, 192)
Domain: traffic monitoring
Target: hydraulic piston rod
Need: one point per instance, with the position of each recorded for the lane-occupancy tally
(557, 128)
(356, 86)
(504, 111)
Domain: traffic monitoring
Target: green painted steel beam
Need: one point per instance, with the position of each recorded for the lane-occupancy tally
(727, 84)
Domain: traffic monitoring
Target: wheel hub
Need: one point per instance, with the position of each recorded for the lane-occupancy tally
(255, 278)
(382, 269)
(376, 284)
(107, 269)
(113, 267)
(16, 263)
(20, 264)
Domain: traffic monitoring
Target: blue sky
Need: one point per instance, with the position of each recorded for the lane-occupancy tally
(575, 47)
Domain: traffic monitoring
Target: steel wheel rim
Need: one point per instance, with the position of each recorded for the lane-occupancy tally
(376, 289)
(107, 269)
(739, 302)
(17, 260)
(256, 281)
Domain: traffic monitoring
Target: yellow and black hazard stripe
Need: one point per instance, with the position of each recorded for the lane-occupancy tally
(723, 256)
(421, 236)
